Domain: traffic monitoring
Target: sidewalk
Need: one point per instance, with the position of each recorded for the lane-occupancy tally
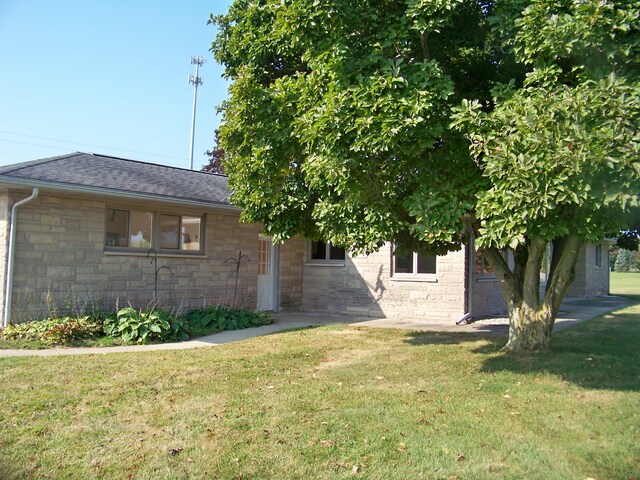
(574, 310)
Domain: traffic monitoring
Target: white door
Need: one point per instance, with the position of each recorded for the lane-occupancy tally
(266, 275)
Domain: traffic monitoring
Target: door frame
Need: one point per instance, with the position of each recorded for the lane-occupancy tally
(274, 255)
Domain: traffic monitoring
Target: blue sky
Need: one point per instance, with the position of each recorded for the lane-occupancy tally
(107, 76)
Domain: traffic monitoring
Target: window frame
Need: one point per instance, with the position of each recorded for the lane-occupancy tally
(413, 276)
(156, 233)
(482, 271)
(598, 256)
(327, 261)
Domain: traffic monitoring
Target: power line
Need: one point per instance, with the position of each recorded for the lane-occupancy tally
(77, 144)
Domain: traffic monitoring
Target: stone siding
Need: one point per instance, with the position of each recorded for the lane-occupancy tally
(487, 297)
(61, 262)
(364, 287)
(591, 281)
(290, 267)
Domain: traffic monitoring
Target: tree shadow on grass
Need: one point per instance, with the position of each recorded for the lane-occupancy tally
(603, 353)
(491, 342)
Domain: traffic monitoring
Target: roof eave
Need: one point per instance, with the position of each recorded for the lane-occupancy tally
(107, 192)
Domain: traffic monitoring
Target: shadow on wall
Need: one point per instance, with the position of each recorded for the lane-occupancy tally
(342, 290)
(363, 286)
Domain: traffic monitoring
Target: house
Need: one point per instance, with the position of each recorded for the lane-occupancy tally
(83, 230)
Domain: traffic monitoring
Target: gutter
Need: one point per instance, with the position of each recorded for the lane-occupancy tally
(69, 188)
(12, 240)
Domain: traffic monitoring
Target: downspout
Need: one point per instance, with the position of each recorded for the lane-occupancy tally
(464, 319)
(12, 240)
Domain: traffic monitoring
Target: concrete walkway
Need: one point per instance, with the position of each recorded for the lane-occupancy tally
(574, 310)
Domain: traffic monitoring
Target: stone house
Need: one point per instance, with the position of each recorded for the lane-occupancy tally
(84, 230)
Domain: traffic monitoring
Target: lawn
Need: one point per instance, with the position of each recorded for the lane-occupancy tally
(333, 402)
(625, 283)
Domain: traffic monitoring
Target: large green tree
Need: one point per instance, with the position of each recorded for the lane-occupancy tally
(422, 121)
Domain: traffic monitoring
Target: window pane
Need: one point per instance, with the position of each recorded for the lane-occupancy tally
(190, 233)
(318, 250)
(117, 228)
(169, 231)
(404, 263)
(482, 267)
(336, 253)
(426, 263)
(140, 232)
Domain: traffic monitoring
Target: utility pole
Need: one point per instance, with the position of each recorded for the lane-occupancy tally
(194, 80)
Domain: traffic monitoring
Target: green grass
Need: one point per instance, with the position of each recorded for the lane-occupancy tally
(333, 402)
(625, 283)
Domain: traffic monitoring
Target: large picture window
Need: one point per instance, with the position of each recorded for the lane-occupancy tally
(325, 253)
(413, 265)
(135, 229)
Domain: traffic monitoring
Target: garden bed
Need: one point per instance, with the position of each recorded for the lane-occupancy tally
(128, 326)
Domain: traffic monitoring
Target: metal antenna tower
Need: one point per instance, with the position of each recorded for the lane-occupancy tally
(194, 80)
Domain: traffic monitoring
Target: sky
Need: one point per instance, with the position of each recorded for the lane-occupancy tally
(108, 77)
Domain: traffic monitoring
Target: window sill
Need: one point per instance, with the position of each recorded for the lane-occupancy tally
(482, 278)
(423, 278)
(334, 263)
(160, 255)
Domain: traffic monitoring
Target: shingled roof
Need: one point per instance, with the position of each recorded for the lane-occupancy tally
(101, 174)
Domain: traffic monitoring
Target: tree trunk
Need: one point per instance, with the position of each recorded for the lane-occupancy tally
(529, 329)
(531, 321)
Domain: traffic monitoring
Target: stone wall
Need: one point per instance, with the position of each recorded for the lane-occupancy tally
(591, 280)
(364, 287)
(487, 297)
(61, 262)
(290, 266)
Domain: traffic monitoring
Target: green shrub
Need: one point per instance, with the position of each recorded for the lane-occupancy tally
(55, 330)
(144, 326)
(221, 317)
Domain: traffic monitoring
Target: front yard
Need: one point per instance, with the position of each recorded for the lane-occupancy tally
(333, 402)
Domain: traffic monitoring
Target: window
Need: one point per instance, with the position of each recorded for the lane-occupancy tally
(413, 264)
(598, 259)
(129, 228)
(132, 229)
(324, 252)
(482, 266)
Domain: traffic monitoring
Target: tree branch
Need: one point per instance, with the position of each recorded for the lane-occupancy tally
(531, 280)
(510, 288)
(425, 45)
(563, 270)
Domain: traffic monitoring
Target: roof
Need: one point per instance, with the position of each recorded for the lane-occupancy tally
(113, 176)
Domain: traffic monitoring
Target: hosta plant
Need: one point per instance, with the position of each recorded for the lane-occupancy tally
(144, 326)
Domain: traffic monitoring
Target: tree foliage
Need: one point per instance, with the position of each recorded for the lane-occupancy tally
(363, 122)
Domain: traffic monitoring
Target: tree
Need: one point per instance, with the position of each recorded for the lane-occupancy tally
(629, 237)
(216, 157)
(626, 261)
(418, 122)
